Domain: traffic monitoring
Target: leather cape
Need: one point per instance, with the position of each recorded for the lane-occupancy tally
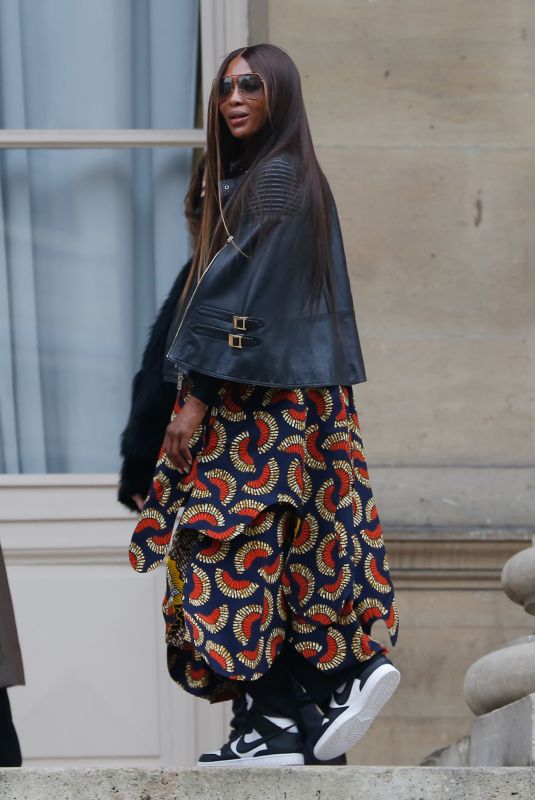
(248, 318)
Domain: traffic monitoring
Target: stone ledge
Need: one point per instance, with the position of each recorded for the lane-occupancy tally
(505, 736)
(501, 738)
(291, 783)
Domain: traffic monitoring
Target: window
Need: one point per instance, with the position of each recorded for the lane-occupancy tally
(92, 237)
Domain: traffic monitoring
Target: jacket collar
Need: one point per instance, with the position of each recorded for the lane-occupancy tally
(229, 185)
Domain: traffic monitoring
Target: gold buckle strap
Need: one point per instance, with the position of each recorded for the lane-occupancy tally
(234, 340)
(238, 322)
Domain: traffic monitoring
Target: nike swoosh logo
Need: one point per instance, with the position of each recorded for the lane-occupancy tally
(341, 697)
(257, 747)
(239, 746)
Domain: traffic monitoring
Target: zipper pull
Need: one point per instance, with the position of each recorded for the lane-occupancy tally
(230, 238)
(180, 378)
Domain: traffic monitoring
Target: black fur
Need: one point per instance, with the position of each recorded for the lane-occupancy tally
(152, 403)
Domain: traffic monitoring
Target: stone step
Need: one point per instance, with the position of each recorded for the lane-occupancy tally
(290, 783)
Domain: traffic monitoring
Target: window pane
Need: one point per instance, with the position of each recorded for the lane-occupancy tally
(98, 63)
(90, 242)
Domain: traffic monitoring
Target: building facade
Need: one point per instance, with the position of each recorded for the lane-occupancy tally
(423, 117)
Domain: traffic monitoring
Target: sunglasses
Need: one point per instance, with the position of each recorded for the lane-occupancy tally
(250, 85)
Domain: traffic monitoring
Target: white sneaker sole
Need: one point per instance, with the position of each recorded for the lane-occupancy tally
(352, 724)
(281, 760)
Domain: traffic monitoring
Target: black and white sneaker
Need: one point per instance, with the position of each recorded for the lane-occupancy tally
(309, 719)
(264, 741)
(354, 706)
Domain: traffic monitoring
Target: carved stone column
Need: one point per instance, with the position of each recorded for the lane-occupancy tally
(507, 674)
(500, 690)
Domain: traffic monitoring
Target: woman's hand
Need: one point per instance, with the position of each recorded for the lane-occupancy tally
(181, 429)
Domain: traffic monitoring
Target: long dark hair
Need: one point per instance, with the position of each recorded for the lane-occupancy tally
(194, 200)
(285, 131)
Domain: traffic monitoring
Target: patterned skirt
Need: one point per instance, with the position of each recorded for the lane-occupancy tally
(278, 539)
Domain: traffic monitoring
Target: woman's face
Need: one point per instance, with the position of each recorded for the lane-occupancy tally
(244, 116)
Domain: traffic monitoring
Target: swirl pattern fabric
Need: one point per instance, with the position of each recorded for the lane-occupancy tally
(279, 538)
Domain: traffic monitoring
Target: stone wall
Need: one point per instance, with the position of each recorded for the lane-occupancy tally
(423, 116)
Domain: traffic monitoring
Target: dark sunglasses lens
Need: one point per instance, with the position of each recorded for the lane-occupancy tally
(225, 87)
(250, 85)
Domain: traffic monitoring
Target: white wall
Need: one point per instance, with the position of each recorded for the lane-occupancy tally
(92, 634)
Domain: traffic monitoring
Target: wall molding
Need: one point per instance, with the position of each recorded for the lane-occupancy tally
(456, 564)
(76, 519)
(65, 556)
(416, 564)
(35, 138)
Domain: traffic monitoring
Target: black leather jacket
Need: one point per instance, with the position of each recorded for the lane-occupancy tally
(246, 319)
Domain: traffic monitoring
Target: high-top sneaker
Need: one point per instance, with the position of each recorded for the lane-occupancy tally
(310, 718)
(263, 741)
(354, 706)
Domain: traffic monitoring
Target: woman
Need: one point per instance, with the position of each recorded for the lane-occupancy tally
(152, 403)
(277, 569)
(11, 673)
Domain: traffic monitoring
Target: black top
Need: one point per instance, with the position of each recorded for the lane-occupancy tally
(205, 387)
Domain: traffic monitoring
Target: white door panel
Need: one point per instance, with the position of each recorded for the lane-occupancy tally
(92, 635)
